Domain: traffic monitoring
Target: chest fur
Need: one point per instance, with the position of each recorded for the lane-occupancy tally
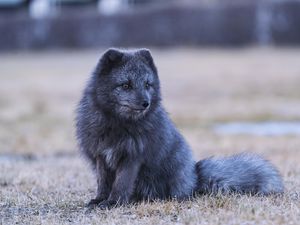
(115, 148)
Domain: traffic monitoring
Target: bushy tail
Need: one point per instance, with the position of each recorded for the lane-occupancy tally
(243, 173)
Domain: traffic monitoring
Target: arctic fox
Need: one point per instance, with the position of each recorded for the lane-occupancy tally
(136, 151)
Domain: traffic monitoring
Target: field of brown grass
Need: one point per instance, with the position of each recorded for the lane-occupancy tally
(44, 181)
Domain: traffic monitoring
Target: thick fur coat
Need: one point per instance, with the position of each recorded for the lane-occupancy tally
(136, 151)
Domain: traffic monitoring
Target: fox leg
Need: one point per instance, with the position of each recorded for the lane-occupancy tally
(105, 178)
(123, 186)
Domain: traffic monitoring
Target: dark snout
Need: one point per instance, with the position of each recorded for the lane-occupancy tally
(137, 102)
(143, 102)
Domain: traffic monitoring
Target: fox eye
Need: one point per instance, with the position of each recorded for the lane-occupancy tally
(125, 86)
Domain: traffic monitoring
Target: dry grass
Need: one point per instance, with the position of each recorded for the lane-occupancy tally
(43, 180)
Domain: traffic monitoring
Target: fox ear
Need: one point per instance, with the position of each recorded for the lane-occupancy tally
(146, 54)
(109, 59)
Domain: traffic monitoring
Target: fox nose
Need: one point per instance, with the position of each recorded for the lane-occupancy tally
(145, 104)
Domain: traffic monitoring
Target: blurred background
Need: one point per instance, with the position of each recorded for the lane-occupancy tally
(48, 24)
(230, 75)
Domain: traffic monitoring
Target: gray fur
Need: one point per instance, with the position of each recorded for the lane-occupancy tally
(135, 149)
(241, 173)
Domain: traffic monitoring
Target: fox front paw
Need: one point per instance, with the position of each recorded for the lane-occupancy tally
(94, 202)
(108, 204)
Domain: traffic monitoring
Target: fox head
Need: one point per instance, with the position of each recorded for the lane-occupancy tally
(126, 83)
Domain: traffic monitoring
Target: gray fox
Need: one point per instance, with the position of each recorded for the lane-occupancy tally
(135, 149)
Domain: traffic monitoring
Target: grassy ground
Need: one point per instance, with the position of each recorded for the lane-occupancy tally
(44, 181)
